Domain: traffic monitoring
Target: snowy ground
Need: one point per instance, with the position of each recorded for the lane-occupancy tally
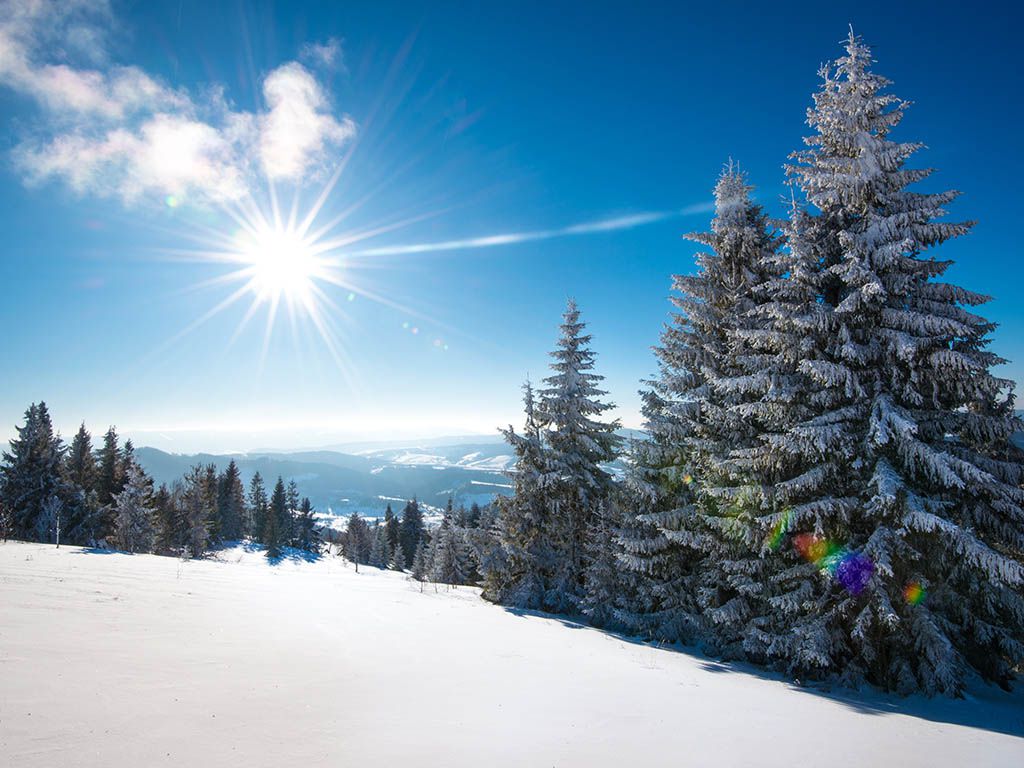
(120, 660)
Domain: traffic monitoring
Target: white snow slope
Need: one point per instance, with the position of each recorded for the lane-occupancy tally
(121, 660)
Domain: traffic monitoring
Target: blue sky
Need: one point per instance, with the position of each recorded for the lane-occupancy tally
(137, 136)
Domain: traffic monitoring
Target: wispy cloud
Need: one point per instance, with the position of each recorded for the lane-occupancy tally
(511, 238)
(118, 131)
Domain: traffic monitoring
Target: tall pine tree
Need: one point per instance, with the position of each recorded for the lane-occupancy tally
(895, 450)
(578, 444)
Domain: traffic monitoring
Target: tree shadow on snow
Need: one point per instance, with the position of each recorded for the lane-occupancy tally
(985, 707)
(98, 551)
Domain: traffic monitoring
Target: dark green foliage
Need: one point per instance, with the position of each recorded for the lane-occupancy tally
(32, 488)
(411, 529)
(259, 506)
(273, 533)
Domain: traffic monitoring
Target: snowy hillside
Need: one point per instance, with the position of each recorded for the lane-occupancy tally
(119, 660)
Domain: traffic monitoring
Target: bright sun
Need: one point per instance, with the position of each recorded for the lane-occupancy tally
(281, 264)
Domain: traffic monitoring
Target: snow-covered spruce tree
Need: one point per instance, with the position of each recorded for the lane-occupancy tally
(725, 413)
(897, 445)
(292, 501)
(258, 506)
(32, 473)
(690, 535)
(379, 548)
(446, 562)
(517, 570)
(607, 586)
(658, 556)
(420, 566)
(195, 508)
(307, 534)
(358, 540)
(578, 443)
(134, 514)
(397, 562)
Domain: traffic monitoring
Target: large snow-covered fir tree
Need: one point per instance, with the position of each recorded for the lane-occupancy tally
(894, 445)
(689, 537)
(721, 378)
(578, 443)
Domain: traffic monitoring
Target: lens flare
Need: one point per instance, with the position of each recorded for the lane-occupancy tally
(853, 570)
(914, 593)
(779, 530)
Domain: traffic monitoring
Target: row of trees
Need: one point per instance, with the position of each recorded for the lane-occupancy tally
(451, 553)
(53, 492)
(828, 484)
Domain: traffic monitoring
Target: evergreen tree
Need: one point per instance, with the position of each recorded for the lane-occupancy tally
(420, 566)
(293, 500)
(307, 534)
(893, 449)
(212, 489)
(393, 529)
(134, 512)
(273, 534)
(693, 540)
(81, 475)
(258, 506)
(108, 462)
(603, 584)
(231, 511)
(195, 508)
(169, 535)
(108, 483)
(358, 540)
(578, 443)
(31, 479)
(523, 559)
(127, 460)
(379, 548)
(411, 529)
(397, 558)
(5, 521)
(48, 524)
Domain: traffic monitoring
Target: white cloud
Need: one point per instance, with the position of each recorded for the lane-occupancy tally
(296, 128)
(117, 131)
(327, 55)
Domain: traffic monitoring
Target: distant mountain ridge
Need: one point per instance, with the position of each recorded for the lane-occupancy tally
(340, 483)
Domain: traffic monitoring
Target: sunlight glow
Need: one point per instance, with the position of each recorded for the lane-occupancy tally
(281, 262)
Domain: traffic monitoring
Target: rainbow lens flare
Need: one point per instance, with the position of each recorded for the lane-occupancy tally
(779, 530)
(852, 570)
(914, 593)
